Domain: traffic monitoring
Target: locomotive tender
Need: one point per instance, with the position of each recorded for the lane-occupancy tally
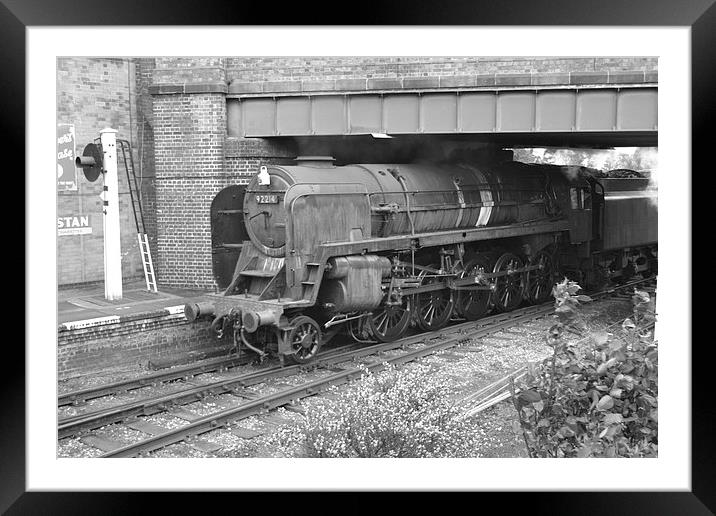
(377, 248)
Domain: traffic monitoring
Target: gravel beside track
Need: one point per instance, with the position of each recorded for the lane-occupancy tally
(469, 366)
(468, 373)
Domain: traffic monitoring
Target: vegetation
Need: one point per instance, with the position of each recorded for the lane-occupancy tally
(638, 159)
(598, 403)
(597, 399)
(390, 414)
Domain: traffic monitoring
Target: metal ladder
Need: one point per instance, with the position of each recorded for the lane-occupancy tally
(134, 196)
(147, 262)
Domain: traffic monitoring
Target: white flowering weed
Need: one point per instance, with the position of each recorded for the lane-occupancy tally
(393, 413)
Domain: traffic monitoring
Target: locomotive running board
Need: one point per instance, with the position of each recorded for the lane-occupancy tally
(373, 245)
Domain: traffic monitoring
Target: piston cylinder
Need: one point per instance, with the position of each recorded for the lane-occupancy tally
(340, 267)
(354, 282)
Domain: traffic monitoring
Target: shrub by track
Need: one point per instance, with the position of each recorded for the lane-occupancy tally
(252, 404)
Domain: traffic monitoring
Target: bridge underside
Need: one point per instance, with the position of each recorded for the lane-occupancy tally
(556, 116)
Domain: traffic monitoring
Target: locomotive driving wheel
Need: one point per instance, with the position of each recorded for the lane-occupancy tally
(510, 287)
(432, 309)
(539, 282)
(359, 330)
(473, 303)
(304, 339)
(390, 322)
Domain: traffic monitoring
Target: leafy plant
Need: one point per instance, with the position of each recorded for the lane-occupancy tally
(602, 403)
(394, 413)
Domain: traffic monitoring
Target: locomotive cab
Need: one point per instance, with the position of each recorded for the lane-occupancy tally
(579, 210)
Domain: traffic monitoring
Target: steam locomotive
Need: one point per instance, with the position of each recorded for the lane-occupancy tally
(374, 249)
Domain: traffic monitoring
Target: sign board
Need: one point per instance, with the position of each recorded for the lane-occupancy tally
(66, 172)
(73, 225)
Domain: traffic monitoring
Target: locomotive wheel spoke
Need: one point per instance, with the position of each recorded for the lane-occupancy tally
(433, 309)
(305, 339)
(473, 304)
(386, 322)
(540, 281)
(390, 322)
(506, 298)
(509, 289)
(381, 321)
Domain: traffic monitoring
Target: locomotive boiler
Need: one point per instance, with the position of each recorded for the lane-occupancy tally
(377, 248)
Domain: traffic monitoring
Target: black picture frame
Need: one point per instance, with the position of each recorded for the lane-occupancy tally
(700, 15)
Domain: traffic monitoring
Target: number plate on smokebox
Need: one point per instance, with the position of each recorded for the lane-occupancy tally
(267, 199)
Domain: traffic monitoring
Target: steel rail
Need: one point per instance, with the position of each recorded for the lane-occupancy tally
(185, 372)
(72, 425)
(75, 424)
(286, 396)
(534, 310)
(182, 373)
(483, 326)
(496, 392)
(223, 418)
(485, 323)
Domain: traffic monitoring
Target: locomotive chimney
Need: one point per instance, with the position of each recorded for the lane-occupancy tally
(315, 161)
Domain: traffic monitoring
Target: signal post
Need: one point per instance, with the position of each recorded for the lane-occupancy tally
(110, 206)
(110, 218)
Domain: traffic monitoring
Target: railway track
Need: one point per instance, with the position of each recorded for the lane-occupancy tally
(184, 373)
(72, 425)
(81, 396)
(251, 404)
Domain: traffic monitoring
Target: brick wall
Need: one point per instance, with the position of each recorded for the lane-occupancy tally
(93, 94)
(130, 342)
(194, 160)
(244, 156)
(196, 154)
(252, 69)
(145, 148)
(189, 134)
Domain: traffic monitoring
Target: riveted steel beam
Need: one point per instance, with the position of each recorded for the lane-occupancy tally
(500, 111)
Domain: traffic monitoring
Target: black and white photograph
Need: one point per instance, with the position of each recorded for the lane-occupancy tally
(376, 257)
(359, 259)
